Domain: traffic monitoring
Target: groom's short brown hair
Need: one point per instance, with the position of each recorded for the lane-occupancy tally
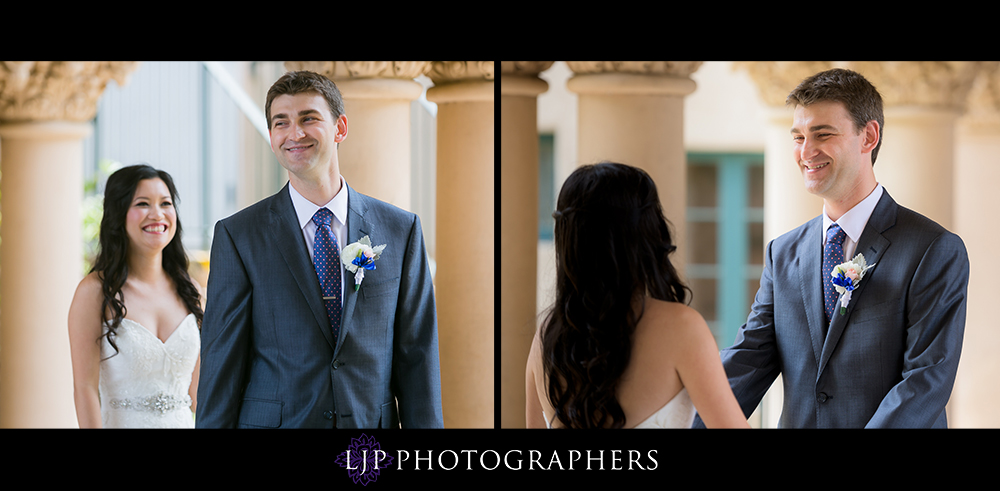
(297, 82)
(854, 91)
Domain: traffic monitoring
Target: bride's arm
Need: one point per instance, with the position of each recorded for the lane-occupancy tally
(533, 408)
(193, 390)
(700, 369)
(85, 350)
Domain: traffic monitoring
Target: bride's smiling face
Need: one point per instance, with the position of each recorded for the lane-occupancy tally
(151, 219)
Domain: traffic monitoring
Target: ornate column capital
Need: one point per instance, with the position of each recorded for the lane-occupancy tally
(524, 68)
(776, 79)
(56, 90)
(407, 70)
(520, 78)
(461, 81)
(369, 79)
(444, 72)
(670, 78)
(939, 84)
(667, 68)
(984, 98)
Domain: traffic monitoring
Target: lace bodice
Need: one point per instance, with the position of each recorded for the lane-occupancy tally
(145, 385)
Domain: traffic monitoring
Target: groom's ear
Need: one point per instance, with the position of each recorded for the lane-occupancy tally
(870, 135)
(341, 124)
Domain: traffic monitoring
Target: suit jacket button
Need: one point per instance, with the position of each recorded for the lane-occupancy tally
(328, 414)
(822, 397)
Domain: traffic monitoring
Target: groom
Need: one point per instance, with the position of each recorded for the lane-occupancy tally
(886, 356)
(288, 339)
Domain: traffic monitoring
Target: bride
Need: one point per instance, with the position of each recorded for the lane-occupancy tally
(619, 348)
(134, 321)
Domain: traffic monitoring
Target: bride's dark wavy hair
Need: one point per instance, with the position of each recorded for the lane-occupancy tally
(612, 244)
(111, 263)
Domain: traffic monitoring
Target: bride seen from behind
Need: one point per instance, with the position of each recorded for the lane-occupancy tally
(134, 321)
(620, 348)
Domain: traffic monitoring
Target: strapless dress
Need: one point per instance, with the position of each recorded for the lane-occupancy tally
(678, 413)
(145, 384)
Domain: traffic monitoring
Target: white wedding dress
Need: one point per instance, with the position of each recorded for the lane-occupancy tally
(145, 385)
(678, 413)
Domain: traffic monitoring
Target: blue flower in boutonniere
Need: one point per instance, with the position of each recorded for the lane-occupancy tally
(358, 257)
(847, 277)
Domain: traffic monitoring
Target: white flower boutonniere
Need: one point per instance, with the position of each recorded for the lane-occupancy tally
(846, 278)
(358, 257)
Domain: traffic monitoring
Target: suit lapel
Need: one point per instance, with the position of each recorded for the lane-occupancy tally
(357, 227)
(291, 244)
(873, 246)
(809, 267)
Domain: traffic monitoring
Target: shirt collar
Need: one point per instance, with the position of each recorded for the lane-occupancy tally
(305, 209)
(853, 222)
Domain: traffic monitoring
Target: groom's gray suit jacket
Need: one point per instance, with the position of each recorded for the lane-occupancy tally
(268, 357)
(890, 360)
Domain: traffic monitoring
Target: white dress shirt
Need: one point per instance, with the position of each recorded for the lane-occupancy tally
(305, 209)
(853, 222)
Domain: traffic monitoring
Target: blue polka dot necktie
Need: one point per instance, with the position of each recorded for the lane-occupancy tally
(833, 255)
(326, 257)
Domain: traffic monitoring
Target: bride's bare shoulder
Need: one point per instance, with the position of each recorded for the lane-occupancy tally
(672, 319)
(89, 290)
(672, 312)
(85, 309)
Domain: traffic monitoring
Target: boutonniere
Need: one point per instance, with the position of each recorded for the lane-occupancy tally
(846, 278)
(358, 257)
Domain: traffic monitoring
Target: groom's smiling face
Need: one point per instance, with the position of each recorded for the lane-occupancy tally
(304, 134)
(832, 154)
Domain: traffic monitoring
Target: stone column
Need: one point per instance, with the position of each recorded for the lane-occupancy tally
(977, 395)
(633, 113)
(375, 157)
(45, 109)
(923, 101)
(787, 204)
(519, 89)
(463, 92)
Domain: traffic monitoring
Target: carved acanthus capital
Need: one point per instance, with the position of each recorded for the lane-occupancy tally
(520, 78)
(776, 79)
(667, 68)
(939, 84)
(524, 68)
(56, 90)
(407, 70)
(984, 97)
(444, 72)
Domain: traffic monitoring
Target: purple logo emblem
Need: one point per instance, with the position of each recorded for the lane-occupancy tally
(363, 459)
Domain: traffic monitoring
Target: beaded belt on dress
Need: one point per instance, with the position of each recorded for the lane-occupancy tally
(159, 402)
